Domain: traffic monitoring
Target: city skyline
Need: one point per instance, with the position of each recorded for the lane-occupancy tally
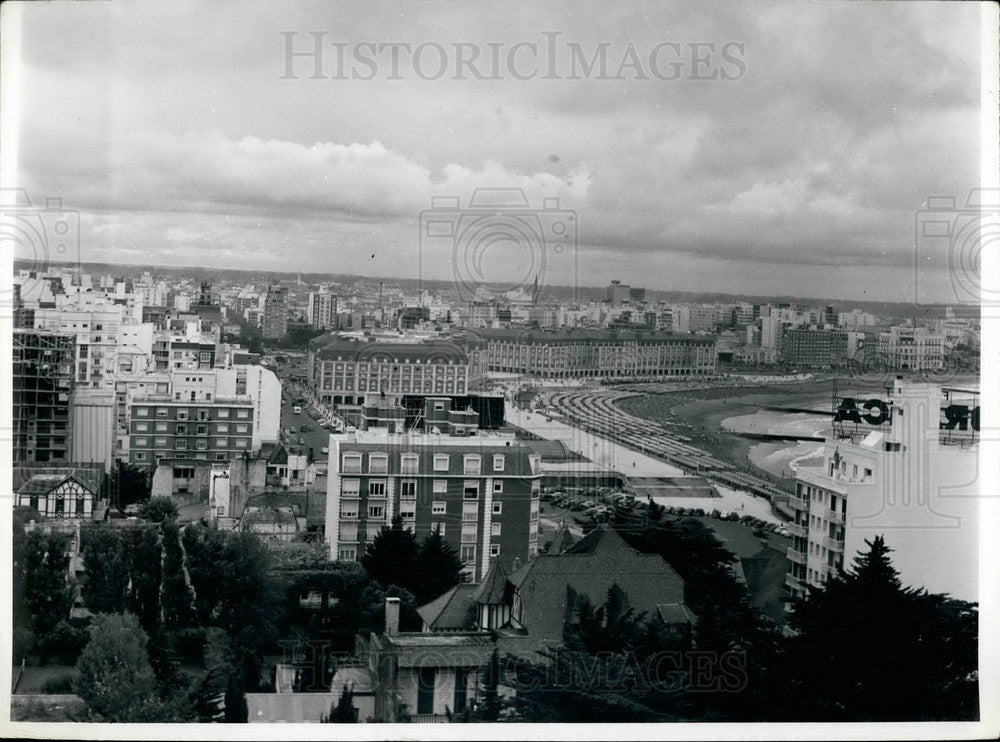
(833, 152)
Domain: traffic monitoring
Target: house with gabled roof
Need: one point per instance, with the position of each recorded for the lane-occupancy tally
(71, 492)
(528, 608)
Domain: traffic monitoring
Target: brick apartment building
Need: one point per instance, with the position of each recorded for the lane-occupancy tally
(480, 491)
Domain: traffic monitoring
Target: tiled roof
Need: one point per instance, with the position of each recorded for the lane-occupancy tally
(674, 613)
(454, 610)
(493, 590)
(439, 650)
(43, 481)
(764, 573)
(332, 347)
(588, 569)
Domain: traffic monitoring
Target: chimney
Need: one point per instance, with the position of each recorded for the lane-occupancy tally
(391, 616)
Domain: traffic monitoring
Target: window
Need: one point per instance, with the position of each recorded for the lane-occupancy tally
(534, 511)
(141, 427)
(201, 445)
(439, 507)
(408, 511)
(161, 427)
(350, 487)
(378, 463)
(223, 414)
(376, 488)
(221, 442)
(470, 490)
(349, 509)
(140, 456)
(440, 486)
(498, 487)
(181, 429)
(352, 463)
(241, 428)
(160, 442)
(470, 464)
(497, 508)
(182, 414)
(441, 462)
(408, 489)
(470, 511)
(242, 414)
(468, 553)
(142, 412)
(468, 533)
(376, 512)
(494, 550)
(409, 463)
(495, 529)
(180, 445)
(498, 462)
(222, 428)
(348, 554)
(201, 430)
(438, 528)
(241, 443)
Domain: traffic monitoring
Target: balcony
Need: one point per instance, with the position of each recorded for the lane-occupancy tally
(799, 557)
(796, 529)
(833, 544)
(797, 503)
(834, 517)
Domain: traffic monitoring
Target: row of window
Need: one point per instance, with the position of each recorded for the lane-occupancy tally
(408, 488)
(378, 463)
(181, 428)
(183, 414)
(181, 444)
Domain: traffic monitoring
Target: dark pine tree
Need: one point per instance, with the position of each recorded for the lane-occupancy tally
(440, 568)
(391, 557)
(870, 649)
(343, 712)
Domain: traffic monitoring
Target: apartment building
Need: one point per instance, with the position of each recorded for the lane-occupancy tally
(43, 375)
(906, 468)
(481, 493)
(342, 370)
(161, 426)
(597, 354)
(275, 318)
(911, 349)
(321, 312)
(95, 327)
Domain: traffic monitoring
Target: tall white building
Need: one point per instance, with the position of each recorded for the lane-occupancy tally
(911, 349)
(322, 310)
(904, 467)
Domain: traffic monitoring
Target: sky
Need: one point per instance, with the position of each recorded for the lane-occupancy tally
(779, 148)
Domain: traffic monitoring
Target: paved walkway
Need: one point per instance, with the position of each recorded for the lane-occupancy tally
(632, 463)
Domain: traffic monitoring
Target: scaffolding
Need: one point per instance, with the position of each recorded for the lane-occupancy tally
(43, 369)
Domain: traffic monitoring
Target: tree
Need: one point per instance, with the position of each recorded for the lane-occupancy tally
(250, 602)
(44, 585)
(158, 509)
(391, 557)
(107, 566)
(129, 484)
(204, 548)
(612, 627)
(145, 575)
(440, 568)
(114, 677)
(869, 649)
(343, 712)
